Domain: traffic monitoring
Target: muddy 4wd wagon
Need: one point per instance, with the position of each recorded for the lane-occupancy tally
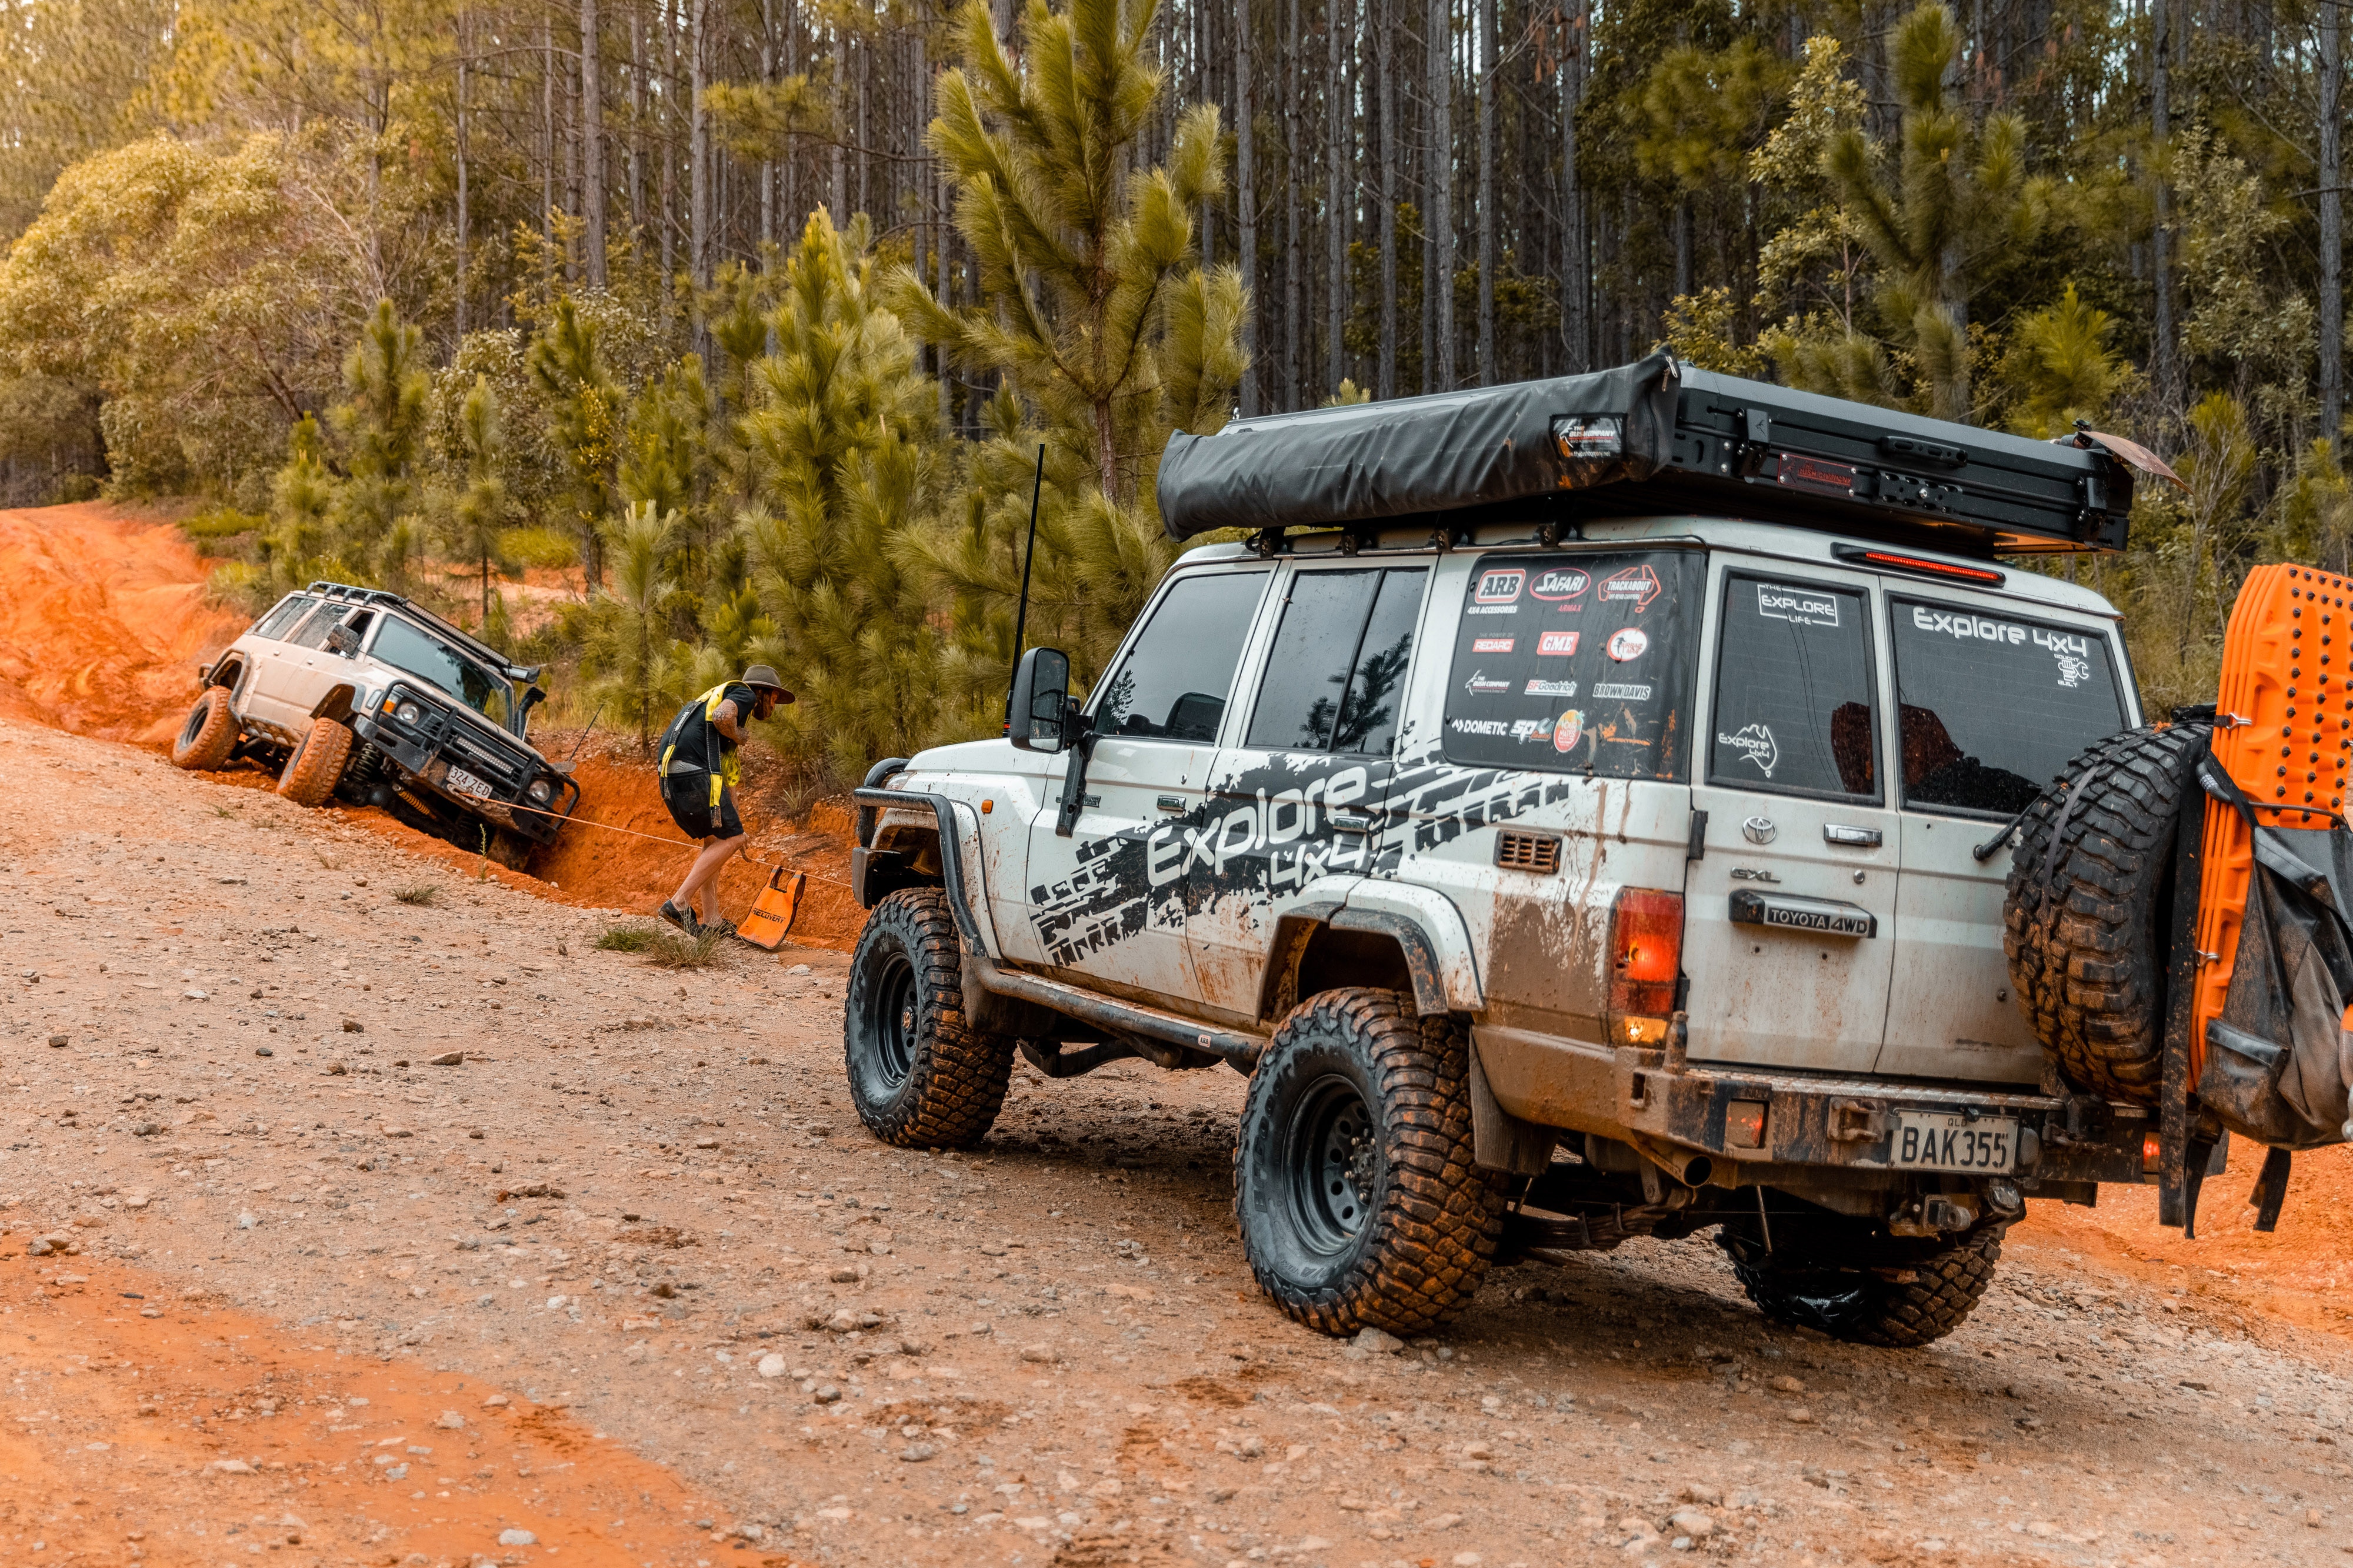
(359, 693)
(1593, 825)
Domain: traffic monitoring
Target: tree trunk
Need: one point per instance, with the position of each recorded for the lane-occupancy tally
(767, 165)
(1388, 37)
(1490, 81)
(592, 144)
(547, 133)
(698, 155)
(1439, 282)
(2161, 339)
(1338, 157)
(2332, 225)
(1576, 287)
(1293, 316)
(465, 73)
(636, 121)
(1246, 201)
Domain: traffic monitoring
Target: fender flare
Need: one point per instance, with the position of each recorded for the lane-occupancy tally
(1425, 923)
(964, 897)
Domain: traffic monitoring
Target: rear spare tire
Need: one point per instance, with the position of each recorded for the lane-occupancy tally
(316, 766)
(1354, 1185)
(2087, 922)
(920, 1077)
(210, 733)
(1925, 1300)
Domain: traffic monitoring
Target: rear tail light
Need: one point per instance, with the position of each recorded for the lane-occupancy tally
(2152, 1152)
(1646, 960)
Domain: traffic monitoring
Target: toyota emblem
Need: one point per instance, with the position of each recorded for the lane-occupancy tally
(1759, 830)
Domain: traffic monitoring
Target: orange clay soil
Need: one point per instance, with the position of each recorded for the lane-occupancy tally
(103, 621)
(196, 1433)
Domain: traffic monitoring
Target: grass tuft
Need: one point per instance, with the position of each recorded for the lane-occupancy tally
(629, 938)
(664, 948)
(422, 893)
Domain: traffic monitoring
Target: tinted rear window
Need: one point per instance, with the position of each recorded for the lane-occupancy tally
(1796, 701)
(1339, 657)
(1992, 706)
(1576, 663)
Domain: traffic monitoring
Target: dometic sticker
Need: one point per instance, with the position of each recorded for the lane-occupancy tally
(1480, 726)
(1549, 688)
(1754, 744)
(1611, 692)
(1628, 643)
(1801, 607)
(1500, 587)
(1567, 731)
(1556, 642)
(1560, 584)
(1481, 684)
(1491, 644)
(1637, 585)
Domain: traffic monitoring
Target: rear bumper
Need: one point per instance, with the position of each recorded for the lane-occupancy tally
(1850, 1123)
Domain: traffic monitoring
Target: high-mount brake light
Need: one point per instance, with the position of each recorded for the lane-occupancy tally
(1646, 960)
(1918, 566)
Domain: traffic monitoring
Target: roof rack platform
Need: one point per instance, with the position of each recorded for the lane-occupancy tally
(1653, 437)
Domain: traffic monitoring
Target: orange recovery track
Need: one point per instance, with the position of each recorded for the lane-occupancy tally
(2284, 732)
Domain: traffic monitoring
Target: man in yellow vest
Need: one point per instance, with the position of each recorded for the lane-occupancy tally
(700, 773)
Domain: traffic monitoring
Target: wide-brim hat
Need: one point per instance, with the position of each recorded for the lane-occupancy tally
(762, 677)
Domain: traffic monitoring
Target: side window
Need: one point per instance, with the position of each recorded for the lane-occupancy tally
(274, 625)
(1796, 708)
(1175, 680)
(1339, 659)
(1990, 707)
(313, 632)
(1576, 663)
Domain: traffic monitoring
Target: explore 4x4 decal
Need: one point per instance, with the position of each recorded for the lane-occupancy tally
(1266, 831)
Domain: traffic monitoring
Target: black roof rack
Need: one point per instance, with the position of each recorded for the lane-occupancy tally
(1656, 435)
(458, 635)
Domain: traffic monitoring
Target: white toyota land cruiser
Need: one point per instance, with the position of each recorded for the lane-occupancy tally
(1596, 827)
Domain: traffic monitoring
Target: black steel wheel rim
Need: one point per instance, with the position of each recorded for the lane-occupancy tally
(895, 1019)
(196, 724)
(1331, 1164)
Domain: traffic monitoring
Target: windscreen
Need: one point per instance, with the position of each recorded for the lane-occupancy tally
(406, 646)
(1174, 683)
(1991, 708)
(1576, 663)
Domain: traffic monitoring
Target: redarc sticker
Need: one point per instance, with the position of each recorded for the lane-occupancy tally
(1491, 644)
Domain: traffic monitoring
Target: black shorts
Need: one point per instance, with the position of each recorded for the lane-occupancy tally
(695, 815)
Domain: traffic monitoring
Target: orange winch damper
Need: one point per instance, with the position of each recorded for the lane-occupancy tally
(2284, 732)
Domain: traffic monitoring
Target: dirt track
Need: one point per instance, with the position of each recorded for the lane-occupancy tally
(637, 1186)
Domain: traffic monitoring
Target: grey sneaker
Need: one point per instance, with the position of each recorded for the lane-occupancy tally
(682, 919)
(715, 928)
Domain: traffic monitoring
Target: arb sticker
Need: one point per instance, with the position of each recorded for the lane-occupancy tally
(1557, 642)
(1628, 643)
(1491, 644)
(1501, 587)
(1567, 731)
(1637, 585)
(1562, 583)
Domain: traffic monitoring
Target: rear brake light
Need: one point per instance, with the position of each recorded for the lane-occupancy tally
(1913, 565)
(1646, 958)
(2152, 1152)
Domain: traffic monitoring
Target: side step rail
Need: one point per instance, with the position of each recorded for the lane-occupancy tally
(1119, 1017)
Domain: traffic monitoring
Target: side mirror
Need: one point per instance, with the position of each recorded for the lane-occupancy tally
(1042, 700)
(344, 641)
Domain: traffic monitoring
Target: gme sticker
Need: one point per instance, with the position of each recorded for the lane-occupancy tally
(1557, 642)
(1561, 583)
(1636, 584)
(1502, 587)
(1628, 643)
(1491, 644)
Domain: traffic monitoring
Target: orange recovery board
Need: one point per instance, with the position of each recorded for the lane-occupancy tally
(2284, 732)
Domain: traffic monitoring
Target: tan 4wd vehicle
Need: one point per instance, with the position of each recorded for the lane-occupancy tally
(1594, 826)
(359, 693)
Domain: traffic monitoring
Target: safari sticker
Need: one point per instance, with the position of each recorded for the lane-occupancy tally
(1562, 583)
(1557, 642)
(1567, 731)
(1628, 643)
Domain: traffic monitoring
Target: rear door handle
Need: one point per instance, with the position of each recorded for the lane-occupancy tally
(1853, 837)
(1352, 823)
(1172, 803)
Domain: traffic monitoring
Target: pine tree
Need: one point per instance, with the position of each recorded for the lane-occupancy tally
(845, 431)
(1093, 309)
(475, 519)
(567, 369)
(301, 496)
(380, 427)
(627, 648)
(664, 464)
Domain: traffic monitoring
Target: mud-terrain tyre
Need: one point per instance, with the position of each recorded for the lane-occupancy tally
(1866, 1307)
(316, 765)
(919, 1077)
(1353, 1187)
(210, 733)
(2086, 938)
